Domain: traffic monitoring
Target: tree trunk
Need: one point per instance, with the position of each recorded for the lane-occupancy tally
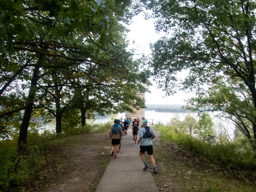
(83, 116)
(58, 123)
(28, 109)
(58, 110)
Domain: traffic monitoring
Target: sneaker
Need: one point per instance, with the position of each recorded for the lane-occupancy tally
(145, 168)
(112, 153)
(154, 170)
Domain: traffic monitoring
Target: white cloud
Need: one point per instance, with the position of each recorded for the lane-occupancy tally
(142, 33)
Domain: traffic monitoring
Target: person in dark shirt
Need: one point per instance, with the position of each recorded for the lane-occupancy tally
(135, 129)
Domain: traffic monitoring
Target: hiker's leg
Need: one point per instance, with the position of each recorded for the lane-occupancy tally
(116, 148)
(113, 147)
(115, 151)
(119, 147)
(142, 157)
(152, 159)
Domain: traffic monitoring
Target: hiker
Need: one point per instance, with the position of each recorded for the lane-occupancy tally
(135, 129)
(146, 135)
(138, 121)
(121, 134)
(125, 126)
(134, 120)
(114, 133)
(129, 121)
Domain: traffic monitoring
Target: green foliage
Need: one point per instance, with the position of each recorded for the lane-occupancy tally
(215, 42)
(62, 56)
(70, 120)
(98, 128)
(16, 168)
(8, 160)
(205, 128)
(228, 155)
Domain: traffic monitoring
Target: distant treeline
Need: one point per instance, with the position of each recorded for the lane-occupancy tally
(166, 108)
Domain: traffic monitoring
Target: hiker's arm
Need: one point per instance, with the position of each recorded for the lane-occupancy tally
(121, 130)
(140, 135)
(153, 133)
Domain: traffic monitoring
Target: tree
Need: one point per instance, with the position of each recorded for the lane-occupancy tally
(76, 33)
(215, 42)
(205, 128)
(190, 124)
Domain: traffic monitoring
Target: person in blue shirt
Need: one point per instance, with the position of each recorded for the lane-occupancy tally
(119, 123)
(128, 120)
(146, 135)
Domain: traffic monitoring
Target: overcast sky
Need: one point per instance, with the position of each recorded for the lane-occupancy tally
(141, 34)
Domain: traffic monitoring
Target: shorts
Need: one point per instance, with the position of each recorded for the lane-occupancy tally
(148, 149)
(135, 132)
(115, 141)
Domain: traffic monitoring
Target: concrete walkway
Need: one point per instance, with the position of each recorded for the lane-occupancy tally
(125, 174)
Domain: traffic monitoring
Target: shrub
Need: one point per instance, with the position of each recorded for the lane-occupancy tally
(224, 154)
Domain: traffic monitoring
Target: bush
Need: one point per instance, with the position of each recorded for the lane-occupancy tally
(98, 128)
(224, 154)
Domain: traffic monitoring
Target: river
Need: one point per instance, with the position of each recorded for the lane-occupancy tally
(220, 125)
(154, 117)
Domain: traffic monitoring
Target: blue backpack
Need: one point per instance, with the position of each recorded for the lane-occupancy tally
(115, 130)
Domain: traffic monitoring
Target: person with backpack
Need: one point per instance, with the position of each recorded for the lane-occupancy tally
(138, 121)
(114, 133)
(146, 135)
(129, 121)
(125, 126)
(135, 129)
(121, 134)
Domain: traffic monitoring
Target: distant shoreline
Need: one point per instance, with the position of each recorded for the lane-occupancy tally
(166, 108)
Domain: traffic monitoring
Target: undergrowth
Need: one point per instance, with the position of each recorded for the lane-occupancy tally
(229, 155)
(16, 170)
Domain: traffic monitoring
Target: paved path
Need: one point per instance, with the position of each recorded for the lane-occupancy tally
(125, 174)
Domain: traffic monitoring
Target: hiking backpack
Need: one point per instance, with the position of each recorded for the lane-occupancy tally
(148, 133)
(115, 128)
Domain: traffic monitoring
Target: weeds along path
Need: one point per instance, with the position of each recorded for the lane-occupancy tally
(180, 171)
(81, 162)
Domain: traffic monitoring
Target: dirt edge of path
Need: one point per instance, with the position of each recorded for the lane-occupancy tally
(75, 163)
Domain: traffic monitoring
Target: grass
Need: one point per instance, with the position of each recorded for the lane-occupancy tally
(16, 170)
(227, 155)
(183, 168)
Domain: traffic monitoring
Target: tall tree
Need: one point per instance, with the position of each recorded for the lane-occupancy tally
(215, 41)
(42, 30)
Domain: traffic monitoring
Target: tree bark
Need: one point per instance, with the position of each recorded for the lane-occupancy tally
(58, 109)
(58, 122)
(22, 141)
(83, 116)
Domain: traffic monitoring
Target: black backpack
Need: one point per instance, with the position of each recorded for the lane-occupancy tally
(148, 134)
